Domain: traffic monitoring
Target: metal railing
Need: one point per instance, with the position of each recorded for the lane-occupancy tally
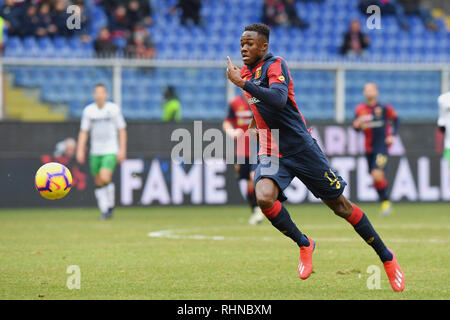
(339, 70)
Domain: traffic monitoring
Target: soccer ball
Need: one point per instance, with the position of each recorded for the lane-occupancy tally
(53, 180)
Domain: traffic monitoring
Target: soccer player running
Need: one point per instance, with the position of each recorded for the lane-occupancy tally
(444, 122)
(268, 86)
(235, 126)
(107, 127)
(374, 119)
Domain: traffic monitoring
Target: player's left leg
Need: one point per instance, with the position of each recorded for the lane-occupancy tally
(313, 169)
(106, 188)
(101, 195)
(380, 182)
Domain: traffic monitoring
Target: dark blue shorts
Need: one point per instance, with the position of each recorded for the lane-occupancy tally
(377, 160)
(310, 166)
(243, 170)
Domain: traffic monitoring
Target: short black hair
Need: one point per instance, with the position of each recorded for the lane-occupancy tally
(101, 85)
(261, 28)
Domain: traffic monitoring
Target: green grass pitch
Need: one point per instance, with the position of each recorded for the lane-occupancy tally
(212, 253)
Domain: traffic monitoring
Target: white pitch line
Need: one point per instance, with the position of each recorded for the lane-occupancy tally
(170, 234)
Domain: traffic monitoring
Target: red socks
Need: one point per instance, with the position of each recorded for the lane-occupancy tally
(273, 211)
(379, 185)
(356, 215)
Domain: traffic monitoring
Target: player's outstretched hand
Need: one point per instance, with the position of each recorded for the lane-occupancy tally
(234, 74)
(389, 140)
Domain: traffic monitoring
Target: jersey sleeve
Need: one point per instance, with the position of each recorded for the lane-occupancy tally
(231, 115)
(119, 120)
(85, 121)
(278, 73)
(390, 112)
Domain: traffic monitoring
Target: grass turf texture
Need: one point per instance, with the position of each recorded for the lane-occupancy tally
(118, 260)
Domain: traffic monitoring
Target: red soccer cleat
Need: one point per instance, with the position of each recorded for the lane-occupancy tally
(395, 274)
(305, 266)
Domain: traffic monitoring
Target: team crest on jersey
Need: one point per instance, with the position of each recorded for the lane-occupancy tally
(281, 78)
(258, 73)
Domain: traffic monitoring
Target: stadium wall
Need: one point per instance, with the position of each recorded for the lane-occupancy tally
(416, 170)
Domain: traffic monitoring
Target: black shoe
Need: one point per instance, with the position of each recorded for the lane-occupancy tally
(108, 214)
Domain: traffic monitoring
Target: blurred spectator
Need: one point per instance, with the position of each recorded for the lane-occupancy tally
(274, 13)
(171, 106)
(355, 42)
(190, 10)
(30, 23)
(140, 45)
(414, 7)
(119, 23)
(110, 5)
(45, 26)
(139, 12)
(12, 12)
(104, 45)
(293, 18)
(59, 17)
(66, 148)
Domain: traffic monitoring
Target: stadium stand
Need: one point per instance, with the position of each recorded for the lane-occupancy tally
(218, 34)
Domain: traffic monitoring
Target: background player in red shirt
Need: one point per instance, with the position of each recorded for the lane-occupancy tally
(235, 126)
(268, 85)
(374, 119)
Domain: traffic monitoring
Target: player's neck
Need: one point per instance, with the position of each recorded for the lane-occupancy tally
(100, 106)
(259, 61)
(371, 102)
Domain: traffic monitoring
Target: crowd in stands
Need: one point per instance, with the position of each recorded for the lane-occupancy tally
(43, 18)
(282, 13)
(128, 21)
(127, 31)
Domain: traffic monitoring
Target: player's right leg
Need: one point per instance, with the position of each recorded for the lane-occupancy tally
(269, 191)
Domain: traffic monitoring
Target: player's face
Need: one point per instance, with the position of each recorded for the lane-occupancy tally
(370, 91)
(100, 95)
(253, 47)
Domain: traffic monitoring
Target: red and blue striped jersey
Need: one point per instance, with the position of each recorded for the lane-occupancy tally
(376, 125)
(270, 92)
